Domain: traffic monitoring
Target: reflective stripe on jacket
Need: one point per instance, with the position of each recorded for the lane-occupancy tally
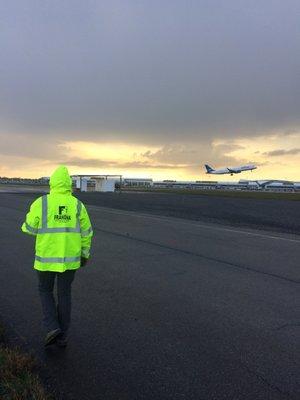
(61, 225)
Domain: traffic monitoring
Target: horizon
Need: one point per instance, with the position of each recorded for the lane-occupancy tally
(209, 178)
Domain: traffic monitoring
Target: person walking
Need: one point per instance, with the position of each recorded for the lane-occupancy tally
(63, 233)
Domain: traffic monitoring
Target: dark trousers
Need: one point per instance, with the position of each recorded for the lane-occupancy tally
(56, 315)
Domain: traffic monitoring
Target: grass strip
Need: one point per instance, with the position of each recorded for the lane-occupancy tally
(19, 378)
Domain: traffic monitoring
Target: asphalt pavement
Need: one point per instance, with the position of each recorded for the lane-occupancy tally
(167, 308)
(266, 214)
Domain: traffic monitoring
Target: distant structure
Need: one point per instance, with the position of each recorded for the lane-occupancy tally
(111, 183)
(97, 183)
(270, 185)
(138, 182)
(83, 183)
(24, 181)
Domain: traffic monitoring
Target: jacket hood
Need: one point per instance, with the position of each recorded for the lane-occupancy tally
(60, 180)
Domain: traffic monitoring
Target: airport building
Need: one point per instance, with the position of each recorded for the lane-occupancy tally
(137, 182)
(110, 183)
(97, 183)
(270, 185)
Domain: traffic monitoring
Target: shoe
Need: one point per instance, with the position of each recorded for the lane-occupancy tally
(51, 336)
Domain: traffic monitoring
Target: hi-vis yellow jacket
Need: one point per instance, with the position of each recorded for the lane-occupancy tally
(61, 225)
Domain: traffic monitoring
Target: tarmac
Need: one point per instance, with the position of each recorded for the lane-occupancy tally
(167, 307)
(273, 215)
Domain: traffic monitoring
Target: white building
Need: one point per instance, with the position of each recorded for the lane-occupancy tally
(97, 183)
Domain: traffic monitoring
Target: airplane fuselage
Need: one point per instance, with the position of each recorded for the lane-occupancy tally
(233, 170)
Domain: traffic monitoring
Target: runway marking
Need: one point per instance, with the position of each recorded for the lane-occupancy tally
(193, 223)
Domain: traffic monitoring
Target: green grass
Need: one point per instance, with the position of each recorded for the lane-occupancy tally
(224, 193)
(19, 378)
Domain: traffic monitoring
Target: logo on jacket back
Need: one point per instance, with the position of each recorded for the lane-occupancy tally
(62, 214)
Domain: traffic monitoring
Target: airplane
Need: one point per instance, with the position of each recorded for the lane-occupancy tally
(231, 171)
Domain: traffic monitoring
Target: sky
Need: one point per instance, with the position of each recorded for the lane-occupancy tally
(150, 88)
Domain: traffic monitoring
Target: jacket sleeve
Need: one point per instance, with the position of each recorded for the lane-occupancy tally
(86, 232)
(32, 220)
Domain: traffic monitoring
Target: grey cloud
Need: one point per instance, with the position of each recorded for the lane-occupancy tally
(95, 163)
(228, 147)
(172, 154)
(292, 133)
(262, 163)
(282, 152)
(189, 155)
(144, 165)
(30, 146)
(196, 154)
(149, 72)
(89, 163)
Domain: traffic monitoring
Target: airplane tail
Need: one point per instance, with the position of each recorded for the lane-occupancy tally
(208, 169)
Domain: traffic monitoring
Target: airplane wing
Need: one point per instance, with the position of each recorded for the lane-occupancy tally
(233, 171)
